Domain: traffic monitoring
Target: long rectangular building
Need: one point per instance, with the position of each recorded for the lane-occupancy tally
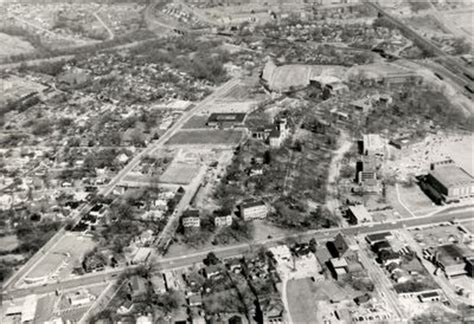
(451, 182)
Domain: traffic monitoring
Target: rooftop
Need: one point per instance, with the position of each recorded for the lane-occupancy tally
(227, 117)
(450, 254)
(451, 175)
(249, 203)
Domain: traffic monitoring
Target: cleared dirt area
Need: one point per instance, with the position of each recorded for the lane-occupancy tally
(63, 257)
(416, 200)
(206, 137)
(8, 243)
(180, 173)
(12, 45)
(463, 20)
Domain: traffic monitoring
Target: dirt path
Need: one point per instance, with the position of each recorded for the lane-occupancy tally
(111, 33)
(332, 202)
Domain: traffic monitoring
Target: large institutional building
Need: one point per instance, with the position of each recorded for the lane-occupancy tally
(448, 182)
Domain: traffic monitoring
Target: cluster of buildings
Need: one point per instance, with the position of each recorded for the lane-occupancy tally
(249, 209)
(453, 259)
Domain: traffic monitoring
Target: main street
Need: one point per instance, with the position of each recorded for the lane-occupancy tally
(107, 189)
(240, 249)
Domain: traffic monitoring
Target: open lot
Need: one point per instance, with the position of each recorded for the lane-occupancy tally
(61, 260)
(196, 121)
(206, 137)
(12, 45)
(180, 173)
(463, 20)
(304, 296)
(416, 200)
(437, 235)
(8, 243)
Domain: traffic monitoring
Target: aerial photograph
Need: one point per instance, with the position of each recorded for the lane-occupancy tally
(236, 161)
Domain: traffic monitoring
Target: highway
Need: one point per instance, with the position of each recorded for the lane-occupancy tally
(240, 249)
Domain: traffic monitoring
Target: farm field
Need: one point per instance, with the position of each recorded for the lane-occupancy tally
(206, 137)
(180, 173)
(12, 45)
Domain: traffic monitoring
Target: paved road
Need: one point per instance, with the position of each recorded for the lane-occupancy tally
(444, 59)
(236, 250)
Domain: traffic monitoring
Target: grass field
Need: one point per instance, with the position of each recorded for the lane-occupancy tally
(206, 137)
(12, 45)
(301, 301)
(69, 251)
(8, 243)
(180, 173)
(198, 121)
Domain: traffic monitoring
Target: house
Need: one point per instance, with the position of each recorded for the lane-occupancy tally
(253, 209)
(380, 246)
(373, 145)
(138, 287)
(146, 237)
(79, 298)
(400, 276)
(430, 296)
(212, 271)
(272, 309)
(378, 237)
(449, 181)
(338, 267)
(234, 265)
(158, 283)
(122, 158)
(195, 300)
(142, 255)
(279, 133)
(362, 299)
(262, 132)
(223, 221)
(358, 214)
(340, 245)
(144, 319)
(451, 258)
(362, 105)
(99, 210)
(387, 257)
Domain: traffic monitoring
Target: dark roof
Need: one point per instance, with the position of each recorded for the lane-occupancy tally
(378, 236)
(275, 133)
(226, 117)
(97, 208)
(429, 294)
(191, 213)
(340, 243)
(251, 203)
(381, 245)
